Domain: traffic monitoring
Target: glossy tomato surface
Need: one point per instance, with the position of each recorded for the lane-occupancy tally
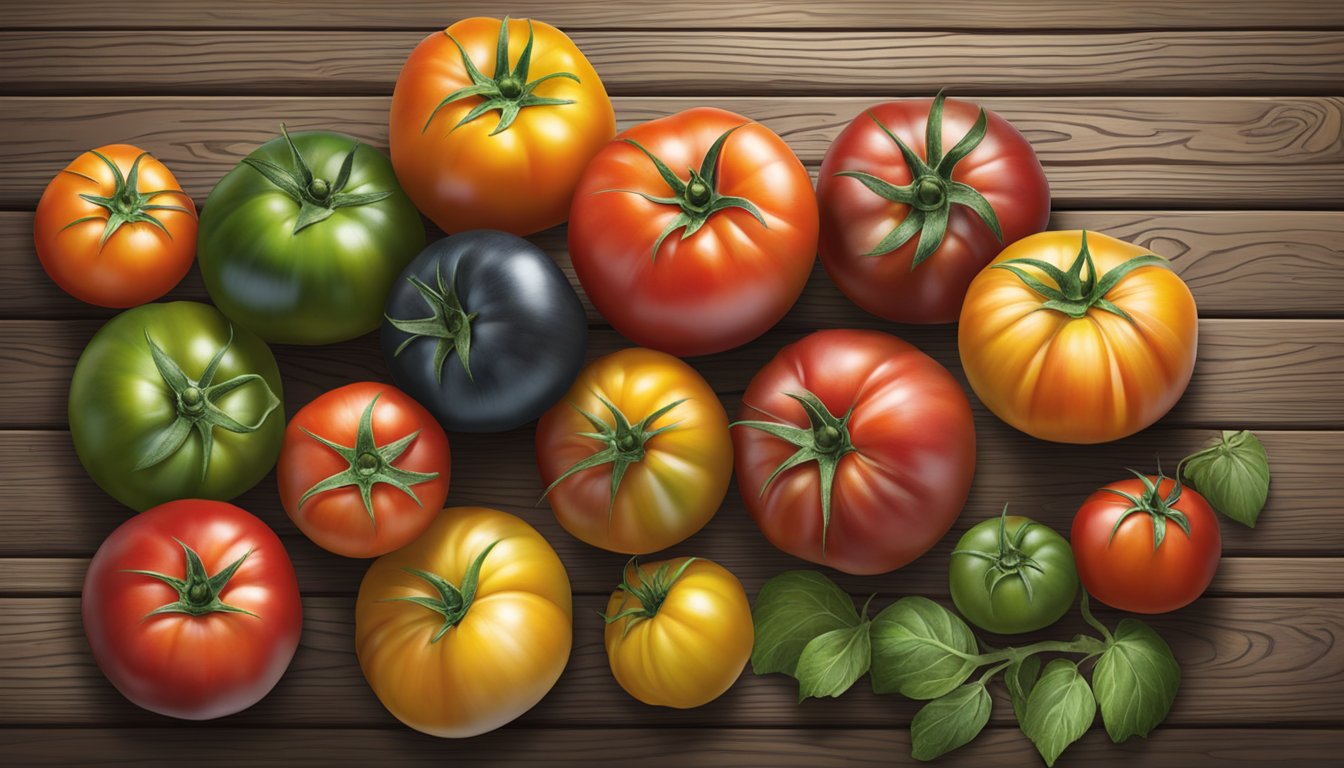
(176, 662)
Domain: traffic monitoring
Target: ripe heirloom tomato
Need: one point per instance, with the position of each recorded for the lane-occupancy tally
(1012, 574)
(905, 225)
(702, 264)
(503, 150)
(1147, 545)
(679, 632)
(114, 228)
(865, 453)
(467, 627)
(364, 469)
(1078, 337)
(637, 457)
(192, 609)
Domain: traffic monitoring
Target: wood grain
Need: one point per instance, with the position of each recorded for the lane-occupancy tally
(1105, 151)
(1288, 651)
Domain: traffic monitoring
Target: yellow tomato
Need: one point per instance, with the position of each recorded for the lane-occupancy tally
(1078, 337)
(468, 626)
(678, 632)
(637, 457)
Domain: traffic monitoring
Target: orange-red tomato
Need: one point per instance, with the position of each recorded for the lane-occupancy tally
(1078, 344)
(114, 228)
(513, 166)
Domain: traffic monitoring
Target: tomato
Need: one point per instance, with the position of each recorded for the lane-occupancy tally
(467, 627)
(863, 454)
(171, 401)
(1078, 337)
(701, 264)
(485, 330)
(637, 457)
(1147, 545)
(1012, 574)
(113, 228)
(887, 178)
(502, 150)
(192, 609)
(679, 632)
(363, 470)
(301, 241)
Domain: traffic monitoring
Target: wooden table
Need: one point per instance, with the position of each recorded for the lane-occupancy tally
(1211, 131)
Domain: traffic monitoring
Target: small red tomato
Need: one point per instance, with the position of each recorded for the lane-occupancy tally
(1147, 545)
(364, 469)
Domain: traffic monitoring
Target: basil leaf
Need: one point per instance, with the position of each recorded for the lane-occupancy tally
(921, 650)
(1020, 679)
(1232, 472)
(791, 610)
(830, 663)
(1136, 680)
(949, 721)
(1059, 710)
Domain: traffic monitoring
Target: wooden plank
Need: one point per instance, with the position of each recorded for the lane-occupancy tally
(1288, 651)
(688, 14)
(805, 746)
(1237, 263)
(54, 509)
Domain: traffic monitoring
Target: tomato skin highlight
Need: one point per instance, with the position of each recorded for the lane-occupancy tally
(1009, 608)
(175, 664)
(1126, 571)
(139, 262)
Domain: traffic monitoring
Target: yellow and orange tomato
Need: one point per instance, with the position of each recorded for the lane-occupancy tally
(1078, 337)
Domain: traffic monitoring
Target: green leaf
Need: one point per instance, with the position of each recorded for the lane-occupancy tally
(1060, 709)
(1020, 679)
(791, 610)
(950, 721)
(830, 663)
(1136, 680)
(1232, 472)
(921, 650)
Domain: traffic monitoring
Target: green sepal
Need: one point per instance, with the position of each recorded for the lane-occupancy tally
(453, 602)
(127, 204)
(1160, 509)
(198, 593)
(448, 323)
(1074, 293)
(650, 593)
(317, 198)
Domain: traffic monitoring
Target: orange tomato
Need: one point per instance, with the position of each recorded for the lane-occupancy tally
(480, 143)
(114, 228)
(1078, 337)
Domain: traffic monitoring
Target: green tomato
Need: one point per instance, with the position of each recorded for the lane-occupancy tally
(170, 401)
(1012, 575)
(301, 241)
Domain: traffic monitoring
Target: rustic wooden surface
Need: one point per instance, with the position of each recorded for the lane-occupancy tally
(1210, 131)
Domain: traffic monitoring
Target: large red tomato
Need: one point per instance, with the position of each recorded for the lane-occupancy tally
(702, 263)
(1146, 545)
(905, 225)
(860, 453)
(192, 610)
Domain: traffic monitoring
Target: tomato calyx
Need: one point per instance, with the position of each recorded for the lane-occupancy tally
(448, 323)
(198, 593)
(197, 409)
(932, 192)
(1074, 292)
(825, 440)
(698, 197)
(651, 592)
(1010, 560)
(317, 198)
(624, 444)
(370, 464)
(1159, 508)
(453, 602)
(127, 204)
(508, 91)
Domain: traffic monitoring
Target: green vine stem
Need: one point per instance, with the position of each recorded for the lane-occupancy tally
(127, 204)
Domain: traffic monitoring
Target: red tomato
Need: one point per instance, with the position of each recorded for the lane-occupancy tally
(1147, 545)
(699, 264)
(912, 261)
(364, 469)
(864, 453)
(192, 610)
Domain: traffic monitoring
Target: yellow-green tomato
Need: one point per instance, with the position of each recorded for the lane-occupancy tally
(1012, 574)
(678, 631)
